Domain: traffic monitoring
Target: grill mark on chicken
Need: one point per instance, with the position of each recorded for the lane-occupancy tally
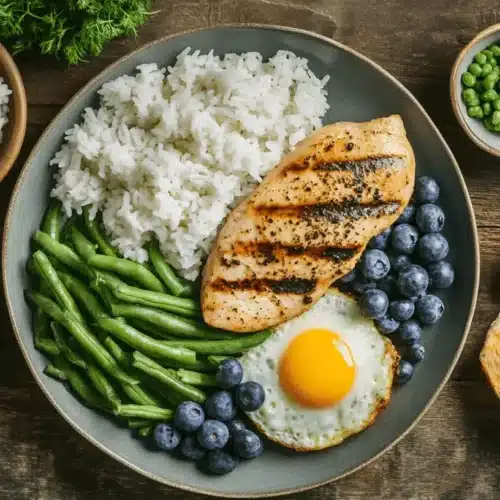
(297, 286)
(331, 212)
(273, 252)
(361, 166)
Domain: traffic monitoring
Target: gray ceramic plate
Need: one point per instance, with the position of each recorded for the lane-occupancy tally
(358, 90)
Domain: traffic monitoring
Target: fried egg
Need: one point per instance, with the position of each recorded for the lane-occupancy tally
(327, 374)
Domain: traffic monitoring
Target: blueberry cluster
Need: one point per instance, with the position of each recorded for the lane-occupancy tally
(213, 435)
(399, 268)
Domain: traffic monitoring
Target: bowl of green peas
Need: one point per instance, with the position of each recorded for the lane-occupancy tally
(475, 89)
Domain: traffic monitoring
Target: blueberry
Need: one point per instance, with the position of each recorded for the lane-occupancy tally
(381, 240)
(188, 416)
(212, 435)
(220, 406)
(404, 373)
(416, 353)
(433, 247)
(348, 278)
(219, 462)
(399, 262)
(412, 281)
(250, 396)
(404, 238)
(234, 426)
(401, 310)
(361, 285)
(426, 190)
(430, 309)
(229, 373)
(410, 332)
(386, 325)
(407, 215)
(375, 264)
(166, 437)
(374, 303)
(441, 274)
(430, 218)
(387, 284)
(190, 448)
(247, 444)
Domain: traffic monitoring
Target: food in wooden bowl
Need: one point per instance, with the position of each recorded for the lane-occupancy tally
(13, 112)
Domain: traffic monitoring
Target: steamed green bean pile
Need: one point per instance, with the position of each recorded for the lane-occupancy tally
(127, 338)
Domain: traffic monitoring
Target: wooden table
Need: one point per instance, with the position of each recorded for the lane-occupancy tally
(454, 452)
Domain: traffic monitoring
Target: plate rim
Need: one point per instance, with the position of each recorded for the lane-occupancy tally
(28, 165)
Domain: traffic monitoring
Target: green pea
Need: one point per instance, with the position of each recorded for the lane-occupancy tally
(487, 69)
(473, 102)
(487, 108)
(477, 112)
(475, 69)
(480, 58)
(468, 79)
(495, 50)
(496, 105)
(488, 53)
(493, 62)
(496, 128)
(479, 87)
(489, 125)
(495, 118)
(490, 81)
(468, 94)
(488, 95)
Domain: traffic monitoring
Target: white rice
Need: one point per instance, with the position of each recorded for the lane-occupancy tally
(4, 106)
(170, 151)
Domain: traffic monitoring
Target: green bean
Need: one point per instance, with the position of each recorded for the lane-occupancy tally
(84, 337)
(129, 269)
(71, 355)
(165, 272)
(217, 360)
(140, 396)
(232, 346)
(164, 375)
(96, 234)
(83, 247)
(42, 334)
(180, 327)
(127, 293)
(144, 411)
(103, 386)
(81, 293)
(150, 329)
(143, 343)
(50, 277)
(54, 372)
(51, 223)
(137, 423)
(145, 431)
(196, 378)
(63, 253)
(200, 365)
(80, 386)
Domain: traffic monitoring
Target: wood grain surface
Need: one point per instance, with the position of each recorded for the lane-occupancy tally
(454, 452)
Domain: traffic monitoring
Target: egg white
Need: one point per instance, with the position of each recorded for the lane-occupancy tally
(282, 419)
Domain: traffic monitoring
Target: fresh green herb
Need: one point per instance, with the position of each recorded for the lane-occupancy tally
(68, 29)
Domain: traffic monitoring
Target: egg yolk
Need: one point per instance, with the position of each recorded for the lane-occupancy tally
(317, 369)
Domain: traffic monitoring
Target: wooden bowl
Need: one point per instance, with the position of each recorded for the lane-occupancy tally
(474, 128)
(15, 130)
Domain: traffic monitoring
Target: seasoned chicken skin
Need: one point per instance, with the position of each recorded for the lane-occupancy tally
(307, 223)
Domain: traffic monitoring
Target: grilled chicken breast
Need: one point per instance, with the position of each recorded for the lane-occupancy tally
(307, 223)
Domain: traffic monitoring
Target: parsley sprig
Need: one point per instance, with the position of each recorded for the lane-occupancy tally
(68, 29)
